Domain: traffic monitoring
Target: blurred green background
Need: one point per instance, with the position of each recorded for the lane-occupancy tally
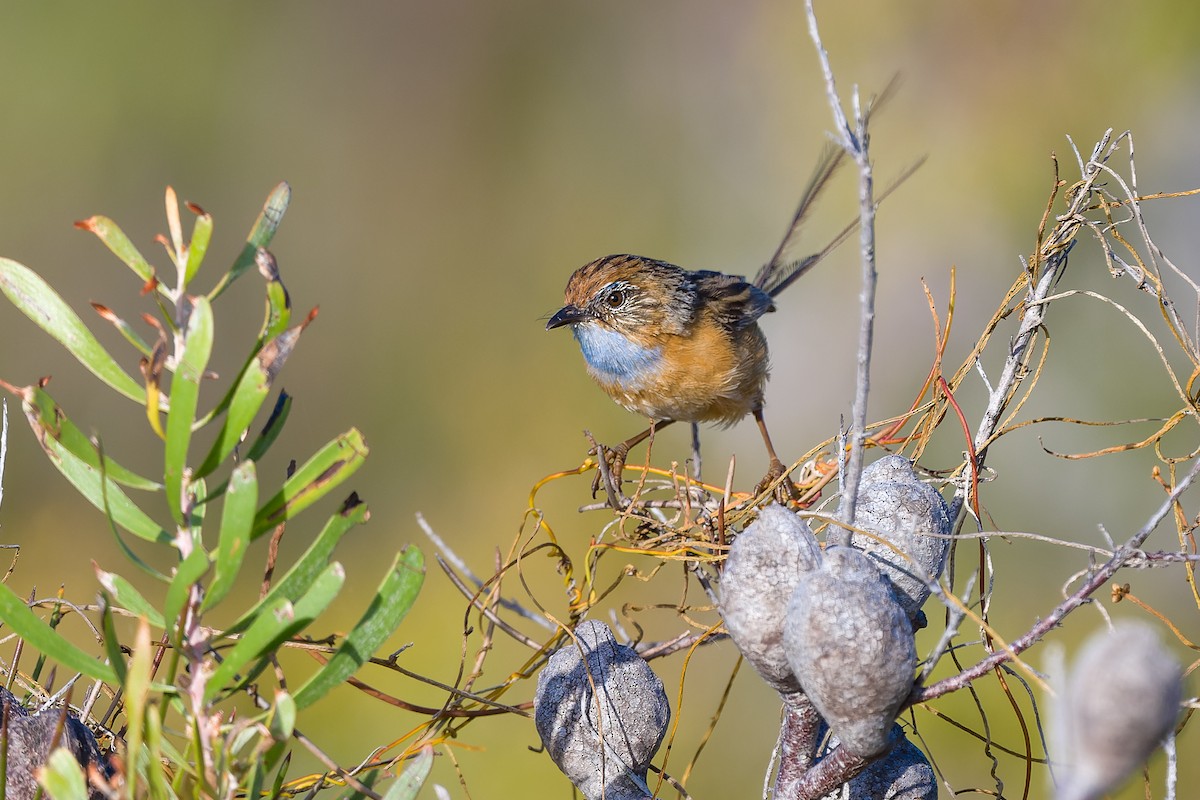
(453, 162)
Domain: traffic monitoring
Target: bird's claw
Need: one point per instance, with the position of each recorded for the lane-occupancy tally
(786, 492)
(609, 470)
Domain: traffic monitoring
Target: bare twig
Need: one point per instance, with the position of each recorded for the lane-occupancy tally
(1082, 595)
(454, 559)
(3, 443)
(856, 143)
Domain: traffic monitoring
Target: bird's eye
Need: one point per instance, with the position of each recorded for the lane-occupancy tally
(615, 298)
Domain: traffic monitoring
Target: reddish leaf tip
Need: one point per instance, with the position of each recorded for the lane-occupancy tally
(88, 224)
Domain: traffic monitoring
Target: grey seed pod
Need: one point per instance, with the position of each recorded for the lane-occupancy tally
(764, 564)
(897, 506)
(628, 707)
(903, 774)
(851, 647)
(28, 743)
(1118, 704)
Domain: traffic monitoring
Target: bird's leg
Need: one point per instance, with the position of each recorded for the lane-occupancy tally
(786, 490)
(615, 457)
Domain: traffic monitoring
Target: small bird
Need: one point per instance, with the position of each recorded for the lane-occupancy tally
(679, 345)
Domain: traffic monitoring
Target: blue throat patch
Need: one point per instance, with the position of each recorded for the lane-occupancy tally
(613, 357)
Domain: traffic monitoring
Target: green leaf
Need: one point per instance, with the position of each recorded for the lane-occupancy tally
(368, 779)
(34, 297)
(189, 571)
(137, 694)
(260, 236)
(49, 419)
(279, 304)
(282, 718)
(327, 469)
(241, 498)
(272, 427)
(248, 395)
(123, 327)
(127, 597)
(271, 757)
(86, 479)
(277, 623)
(112, 642)
(300, 577)
(185, 394)
(198, 246)
(116, 241)
(392, 601)
(413, 777)
(156, 743)
(62, 776)
(37, 634)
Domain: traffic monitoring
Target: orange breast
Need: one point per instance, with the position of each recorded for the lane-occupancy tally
(710, 375)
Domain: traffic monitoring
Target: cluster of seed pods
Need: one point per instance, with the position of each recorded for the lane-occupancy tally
(832, 631)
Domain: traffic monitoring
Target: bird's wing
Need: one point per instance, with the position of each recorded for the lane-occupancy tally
(733, 301)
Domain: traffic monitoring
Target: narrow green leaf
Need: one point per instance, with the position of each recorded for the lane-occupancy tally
(271, 628)
(127, 597)
(282, 719)
(260, 236)
(392, 601)
(112, 642)
(37, 634)
(185, 393)
(328, 468)
(189, 571)
(126, 550)
(62, 777)
(52, 420)
(255, 779)
(249, 393)
(198, 490)
(279, 304)
(244, 401)
(272, 427)
(86, 479)
(137, 695)
(34, 297)
(368, 779)
(123, 327)
(241, 498)
(300, 577)
(413, 777)
(156, 743)
(270, 759)
(115, 240)
(198, 246)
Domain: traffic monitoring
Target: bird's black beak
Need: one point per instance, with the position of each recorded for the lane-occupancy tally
(567, 315)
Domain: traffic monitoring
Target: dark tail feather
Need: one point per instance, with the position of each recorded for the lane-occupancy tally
(785, 275)
(778, 274)
(828, 162)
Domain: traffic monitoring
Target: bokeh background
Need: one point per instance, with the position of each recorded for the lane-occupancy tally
(453, 162)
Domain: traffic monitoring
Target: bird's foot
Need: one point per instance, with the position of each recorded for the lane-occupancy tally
(609, 469)
(786, 492)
